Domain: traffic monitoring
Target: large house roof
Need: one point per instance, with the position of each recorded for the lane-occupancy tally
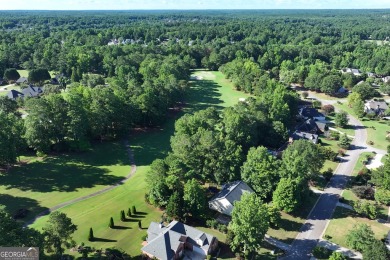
(163, 241)
(309, 112)
(309, 126)
(232, 191)
(306, 136)
(377, 105)
(21, 80)
(13, 94)
(32, 91)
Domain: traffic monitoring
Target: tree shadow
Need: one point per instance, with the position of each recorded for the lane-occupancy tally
(130, 220)
(121, 227)
(289, 225)
(204, 94)
(54, 175)
(12, 204)
(99, 239)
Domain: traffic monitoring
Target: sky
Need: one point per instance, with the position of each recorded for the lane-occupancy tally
(189, 4)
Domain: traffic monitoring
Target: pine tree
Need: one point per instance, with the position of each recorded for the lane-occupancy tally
(133, 210)
(344, 142)
(129, 212)
(123, 217)
(139, 224)
(90, 236)
(111, 225)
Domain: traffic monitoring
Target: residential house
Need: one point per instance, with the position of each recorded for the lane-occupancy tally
(177, 240)
(297, 135)
(21, 80)
(32, 91)
(309, 126)
(378, 107)
(355, 72)
(14, 94)
(386, 79)
(309, 112)
(223, 202)
(371, 75)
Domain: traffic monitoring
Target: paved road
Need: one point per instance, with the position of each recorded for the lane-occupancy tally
(67, 203)
(318, 219)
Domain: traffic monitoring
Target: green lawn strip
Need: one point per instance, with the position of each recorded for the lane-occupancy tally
(359, 165)
(24, 73)
(376, 129)
(215, 83)
(347, 130)
(96, 212)
(5, 92)
(40, 183)
(343, 221)
(292, 223)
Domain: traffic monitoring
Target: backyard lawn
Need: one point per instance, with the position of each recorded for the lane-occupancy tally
(4, 92)
(343, 221)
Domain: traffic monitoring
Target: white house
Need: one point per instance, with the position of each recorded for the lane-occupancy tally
(223, 202)
(355, 72)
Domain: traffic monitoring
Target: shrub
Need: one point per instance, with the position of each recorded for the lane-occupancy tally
(222, 228)
(305, 94)
(341, 152)
(328, 153)
(328, 174)
(337, 256)
(363, 192)
(382, 196)
(366, 208)
(123, 217)
(344, 142)
(90, 236)
(139, 224)
(363, 176)
(316, 104)
(321, 252)
(40, 154)
(212, 223)
(111, 224)
(334, 135)
(328, 109)
(133, 210)
(144, 237)
(129, 212)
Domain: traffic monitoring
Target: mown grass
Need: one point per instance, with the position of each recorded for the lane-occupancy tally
(344, 220)
(37, 184)
(376, 129)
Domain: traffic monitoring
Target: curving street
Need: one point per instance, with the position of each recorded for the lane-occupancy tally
(319, 217)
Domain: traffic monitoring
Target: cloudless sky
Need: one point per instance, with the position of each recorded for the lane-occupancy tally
(189, 4)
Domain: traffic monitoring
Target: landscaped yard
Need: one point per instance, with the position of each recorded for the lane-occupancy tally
(347, 130)
(376, 129)
(4, 92)
(292, 223)
(343, 221)
(147, 145)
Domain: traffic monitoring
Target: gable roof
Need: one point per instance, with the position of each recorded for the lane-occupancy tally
(376, 105)
(164, 241)
(13, 94)
(306, 136)
(21, 80)
(309, 112)
(32, 91)
(232, 191)
(309, 126)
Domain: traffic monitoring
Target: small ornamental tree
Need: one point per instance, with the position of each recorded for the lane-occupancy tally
(123, 217)
(305, 94)
(337, 256)
(341, 119)
(344, 142)
(90, 236)
(111, 225)
(328, 109)
(129, 212)
(11, 74)
(376, 250)
(360, 237)
(133, 210)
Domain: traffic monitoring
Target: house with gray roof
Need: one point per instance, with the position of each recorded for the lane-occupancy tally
(32, 91)
(310, 112)
(377, 107)
(297, 135)
(177, 240)
(21, 80)
(14, 94)
(223, 202)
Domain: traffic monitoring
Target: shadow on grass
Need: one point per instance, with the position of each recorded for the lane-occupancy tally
(203, 94)
(98, 239)
(121, 227)
(289, 225)
(130, 220)
(54, 174)
(12, 204)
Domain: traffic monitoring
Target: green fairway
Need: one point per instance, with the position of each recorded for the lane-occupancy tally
(38, 184)
(343, 221)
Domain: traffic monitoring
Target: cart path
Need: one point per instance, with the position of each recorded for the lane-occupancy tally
(133, 169)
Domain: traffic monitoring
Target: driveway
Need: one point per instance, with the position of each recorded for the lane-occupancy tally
(319, 217)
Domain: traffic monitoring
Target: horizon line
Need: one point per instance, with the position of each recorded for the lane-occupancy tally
(193, 9)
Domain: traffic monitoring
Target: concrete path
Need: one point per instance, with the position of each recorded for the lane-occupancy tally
(319, 217)
(111, 187)
(4, 88)
(343, 205)
(375, 162)
(345, 251)
(276, 243)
